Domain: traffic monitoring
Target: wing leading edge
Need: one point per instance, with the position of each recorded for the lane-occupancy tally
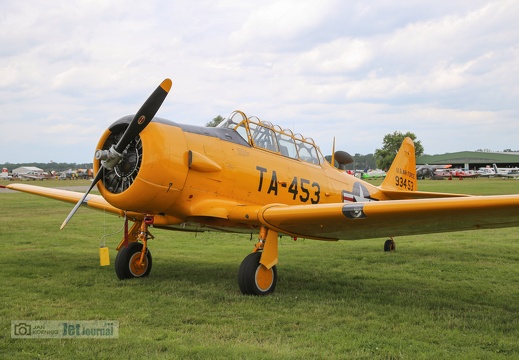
(93, 201)
(354, 221)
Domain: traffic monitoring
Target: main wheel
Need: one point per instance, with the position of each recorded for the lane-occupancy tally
(389, 245)
(254, 278)
(127, 262)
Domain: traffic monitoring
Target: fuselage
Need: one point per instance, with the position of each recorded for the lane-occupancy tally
(191, 175)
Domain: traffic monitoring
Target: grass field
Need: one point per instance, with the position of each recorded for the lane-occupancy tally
(444, 296)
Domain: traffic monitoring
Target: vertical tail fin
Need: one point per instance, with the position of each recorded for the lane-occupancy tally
(402, 174)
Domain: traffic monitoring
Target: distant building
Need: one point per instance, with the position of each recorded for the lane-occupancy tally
(27, 169)
(471, 159)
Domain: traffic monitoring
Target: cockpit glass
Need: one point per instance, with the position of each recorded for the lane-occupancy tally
(237, 121)
(263, 137)
(287, 147)
(307, 152)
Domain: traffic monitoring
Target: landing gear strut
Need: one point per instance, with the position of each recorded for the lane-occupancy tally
(258, 274)
(134, 258)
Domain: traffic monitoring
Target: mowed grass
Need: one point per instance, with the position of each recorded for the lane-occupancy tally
(442, 296)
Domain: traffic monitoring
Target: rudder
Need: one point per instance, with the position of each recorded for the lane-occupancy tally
(402, 174)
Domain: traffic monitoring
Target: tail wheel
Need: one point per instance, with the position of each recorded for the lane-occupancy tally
(127, 262)
(254, 278)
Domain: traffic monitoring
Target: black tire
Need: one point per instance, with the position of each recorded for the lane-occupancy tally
(389, 245)
(254, 278)
(127, 257)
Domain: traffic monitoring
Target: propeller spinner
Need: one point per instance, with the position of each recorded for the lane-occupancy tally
(113, 156)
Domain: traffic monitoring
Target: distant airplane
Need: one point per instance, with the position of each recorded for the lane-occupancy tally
(5, 175)
(251, 177)
(76, 174)
(486, 171)
(35, 175)
(512, 173)
(84, 174)
(370, 174)
(457, 173)
(67, 174)
(428, 171)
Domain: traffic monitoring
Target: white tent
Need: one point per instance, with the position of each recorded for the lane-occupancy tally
(26, 170)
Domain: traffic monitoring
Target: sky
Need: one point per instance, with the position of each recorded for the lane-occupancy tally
(447, 71)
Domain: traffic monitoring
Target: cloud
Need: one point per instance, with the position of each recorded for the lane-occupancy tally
(357, 69)
(339, 56)
(276, 24)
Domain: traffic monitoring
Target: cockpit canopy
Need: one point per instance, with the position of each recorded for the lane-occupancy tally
(264, 135)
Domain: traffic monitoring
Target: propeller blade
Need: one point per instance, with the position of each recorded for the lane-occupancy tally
(94, 182)
(144, 115)
(141, 119)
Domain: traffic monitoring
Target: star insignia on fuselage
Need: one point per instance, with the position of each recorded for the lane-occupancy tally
(359, 193)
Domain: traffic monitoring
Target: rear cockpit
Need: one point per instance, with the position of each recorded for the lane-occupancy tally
(264, 135)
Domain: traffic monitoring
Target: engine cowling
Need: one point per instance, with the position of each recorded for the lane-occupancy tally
(152, 171)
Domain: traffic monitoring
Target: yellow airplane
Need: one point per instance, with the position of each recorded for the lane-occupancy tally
(250, 176)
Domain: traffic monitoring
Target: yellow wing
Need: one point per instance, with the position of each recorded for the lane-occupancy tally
(348, 221)
(93, 201)
(392, 218)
